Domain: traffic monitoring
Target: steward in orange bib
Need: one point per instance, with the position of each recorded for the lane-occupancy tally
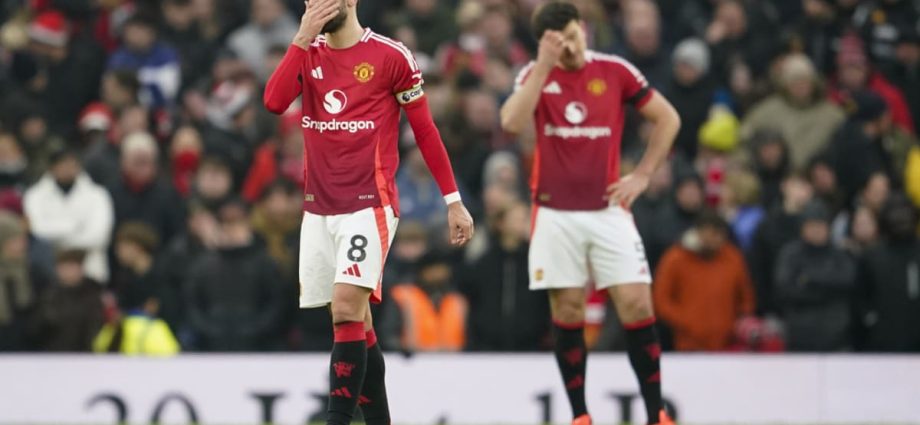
(432, 314)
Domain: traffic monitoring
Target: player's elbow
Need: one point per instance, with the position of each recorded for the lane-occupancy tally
(510, 124)
(274, 105)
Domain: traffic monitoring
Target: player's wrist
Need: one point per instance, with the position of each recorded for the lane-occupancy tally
(303, 40)
(452, 199)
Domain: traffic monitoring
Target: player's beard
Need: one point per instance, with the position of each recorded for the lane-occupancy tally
(338, 21)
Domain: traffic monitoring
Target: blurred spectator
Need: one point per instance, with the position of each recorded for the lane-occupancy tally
(883, 22)
(156, 64)
(201, 235)
(674, 218)
(770, 154)
(58, 74)
(855, 74)
(504, 314)
(185, 157)
(69, 210)
(231, 130)
(741, 206)
(432, 19)
(137, 279)
(280, 158)
(269, 24)
(234, 295)
(889, 294)
(37, 141)
(141, 194)
(702, 287)
(779, 227)
(691, 91)
(817, 31)
(182, 30)
(799, 111)
(13, 165)
(868, 144)
(813, 285)
(656, 196)
(823, 179)
(718, 138)
(863, 232)
(69, 314)
(485, 31)
(409, 245)
(642, 42)
(213, 183)
(276, 219)
(16, 291)
(731, 34)
(428, 315)
(419, 197)
(912, 175)
(103, 160)
(904, 73)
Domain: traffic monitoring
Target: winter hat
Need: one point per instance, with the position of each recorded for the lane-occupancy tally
(866, 106)
(138, 141)
(721, 131)
(50, 27)
(815, 210)
(693, 52)
(852, 51)
(96, 116)
(797, 67)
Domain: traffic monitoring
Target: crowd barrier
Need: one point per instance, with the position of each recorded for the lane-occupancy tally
(463, 389)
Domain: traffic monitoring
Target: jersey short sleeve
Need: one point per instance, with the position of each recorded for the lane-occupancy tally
(636, 90)
(406, 75)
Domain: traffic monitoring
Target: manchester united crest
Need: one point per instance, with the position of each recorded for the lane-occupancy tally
(364, 72)
(597, 87)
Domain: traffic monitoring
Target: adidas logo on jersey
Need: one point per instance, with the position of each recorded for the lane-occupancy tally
(352, 271)
(552, 88)
(317, 72)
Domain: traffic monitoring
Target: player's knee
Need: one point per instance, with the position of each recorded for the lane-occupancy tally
(569, 311)
(635, 307)
(347, 311)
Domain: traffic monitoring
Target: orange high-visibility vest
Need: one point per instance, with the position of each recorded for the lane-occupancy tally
(426, 328)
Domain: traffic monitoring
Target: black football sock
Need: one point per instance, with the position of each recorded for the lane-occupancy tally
(346, 372)
(571, 356)
(373, 400)
(644, 355)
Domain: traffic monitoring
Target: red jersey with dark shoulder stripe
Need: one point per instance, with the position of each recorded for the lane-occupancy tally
(579, 126)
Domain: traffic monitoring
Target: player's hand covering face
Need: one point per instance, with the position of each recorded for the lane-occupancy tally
(460, 224)
(338, 20)
(317, 15)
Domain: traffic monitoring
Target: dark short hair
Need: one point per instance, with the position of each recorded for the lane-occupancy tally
(140, 234)
(709, 218)
(553, 15)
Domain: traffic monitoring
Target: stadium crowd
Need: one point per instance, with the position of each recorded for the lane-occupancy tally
(148, 201)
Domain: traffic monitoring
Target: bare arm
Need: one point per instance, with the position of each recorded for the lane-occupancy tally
(518, 110)
(666, 123)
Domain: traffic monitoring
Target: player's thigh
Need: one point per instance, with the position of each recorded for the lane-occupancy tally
(617, 254)
(558, 251)
(316, 265)
(362, 240)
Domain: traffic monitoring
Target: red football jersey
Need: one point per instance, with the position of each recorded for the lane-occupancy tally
(579, 125)
(351, 105)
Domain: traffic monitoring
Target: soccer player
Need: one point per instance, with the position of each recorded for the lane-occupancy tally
(353, 83)
(582, 225)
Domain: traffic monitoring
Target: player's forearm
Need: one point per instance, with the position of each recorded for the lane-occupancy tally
(518, 110)
(432, 148)
(284, 86)
(666, 125)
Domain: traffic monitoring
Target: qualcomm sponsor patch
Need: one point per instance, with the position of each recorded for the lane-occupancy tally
(577, 132)
(410, 95)
(336, 125)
